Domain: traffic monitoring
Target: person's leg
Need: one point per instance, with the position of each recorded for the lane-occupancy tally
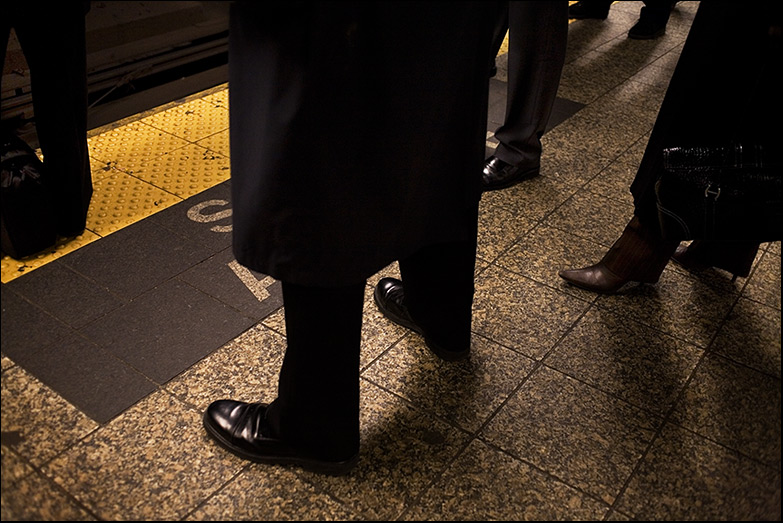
(439, 288)
(435, 296)
(317, 407)
(498, 36)
(639, 255)
(53, 41)
(652, 20)
(538, 33)
(314, 421)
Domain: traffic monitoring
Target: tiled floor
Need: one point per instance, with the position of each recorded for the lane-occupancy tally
(661, 402)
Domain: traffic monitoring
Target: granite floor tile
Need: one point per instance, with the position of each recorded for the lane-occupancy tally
(562, 110)
(521, 314)
(37, 423)
(658, 73)
(685, 477)
(719, 280)
(588, 34)
(585, 438)
(244, 369)
(615, 181)
(545, 251)
(678, 304)
(404, 450)
(264, 493)
(559, 414)
(751, 336)
(276, 321)
(638, 93)
(464, 393)
(607, 131)
(390, 271)
(764, 284)
(533, 199)
(153, 462)
(498, 228)
(378, 332)
(484, 484)
(36, 498)
(598, 72)
(567, 169)
(734, 406)
(625, 359)
(592, 217)
(590, 75)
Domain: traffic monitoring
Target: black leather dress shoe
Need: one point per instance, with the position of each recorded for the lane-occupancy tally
(596, 278)
(241, 428)
(389, 297)
(498, 174)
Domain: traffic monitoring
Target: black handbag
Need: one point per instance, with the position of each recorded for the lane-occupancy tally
(729, 193)
(27, 225)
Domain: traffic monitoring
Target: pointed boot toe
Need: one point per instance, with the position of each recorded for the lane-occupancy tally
(596, 278)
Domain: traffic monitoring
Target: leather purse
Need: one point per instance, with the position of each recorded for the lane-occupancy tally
(728, 192)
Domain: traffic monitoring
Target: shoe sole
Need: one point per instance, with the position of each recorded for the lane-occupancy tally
(332, 468)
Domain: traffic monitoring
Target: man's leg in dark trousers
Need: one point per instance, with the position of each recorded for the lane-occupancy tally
(317, 408)
(439, 287)
(53, 41)
(538, 33)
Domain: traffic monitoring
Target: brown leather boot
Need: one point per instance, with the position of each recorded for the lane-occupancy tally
(596, 278)
(639, 255)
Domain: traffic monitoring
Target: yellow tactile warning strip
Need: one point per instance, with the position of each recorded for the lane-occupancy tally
(145, 164)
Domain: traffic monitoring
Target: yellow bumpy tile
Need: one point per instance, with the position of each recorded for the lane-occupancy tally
(120, 199)
(186, 171)
(126, 147)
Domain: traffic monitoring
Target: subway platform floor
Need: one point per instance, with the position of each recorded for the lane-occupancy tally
(661, 402)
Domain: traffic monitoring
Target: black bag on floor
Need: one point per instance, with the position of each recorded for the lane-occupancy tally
(28, 224)
(730, 192)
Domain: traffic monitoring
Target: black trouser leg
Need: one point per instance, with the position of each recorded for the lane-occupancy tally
(439, 287)
(317, 408)
(538, 33)
(53, 41)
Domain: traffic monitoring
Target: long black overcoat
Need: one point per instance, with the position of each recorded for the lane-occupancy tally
(726, 87)
(357, 132)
